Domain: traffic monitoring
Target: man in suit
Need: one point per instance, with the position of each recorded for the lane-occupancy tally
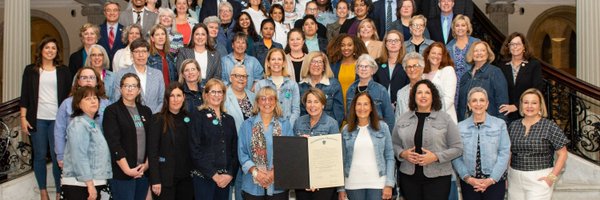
(138, 15)
(211, 7)
(111, 30)
(383, 14)
(440, 26)
(428, 8)
(312, 9)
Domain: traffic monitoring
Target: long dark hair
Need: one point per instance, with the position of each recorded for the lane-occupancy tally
(38, 53)
(436, 101)
(165, 113)
(373, 116)
(209, 43)
(81, 93)
(287, 46)
(251, 30)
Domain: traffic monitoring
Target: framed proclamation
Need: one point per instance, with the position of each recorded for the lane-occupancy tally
(313, 162)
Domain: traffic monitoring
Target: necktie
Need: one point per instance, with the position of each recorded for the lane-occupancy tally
(445, 27)
(111, 37)
(139, 17)
(388, 16)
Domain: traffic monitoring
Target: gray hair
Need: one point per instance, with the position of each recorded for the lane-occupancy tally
(212, 19)
(226, 4)
(169, 12)
(369, 59)
(476, 90)
(105, 59)
(413, 56)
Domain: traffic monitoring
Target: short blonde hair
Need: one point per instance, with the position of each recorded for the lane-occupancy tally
(182, 69)
(536, 92)
(305, 70)
(266, 92)
(268, 68)
(365, 22)
(490, 53)
(209, 85)
(421, 17)
(467, 21)
(87, 26)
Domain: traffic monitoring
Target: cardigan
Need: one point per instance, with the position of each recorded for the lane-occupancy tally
(30, 87)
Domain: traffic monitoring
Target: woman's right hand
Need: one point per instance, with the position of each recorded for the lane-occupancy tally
(92, 193)
(25, 126)
(341, 195)
(135, 172)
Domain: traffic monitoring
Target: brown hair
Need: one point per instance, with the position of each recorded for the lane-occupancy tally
(490, 53)
(384, 55)
(165, 113)
(314, 91)
(99, 83)
(167, 45)
(505, 49)
(57, 61)
(353, 119)
(446, 59)
(436, 102)
(81, 93)
(334, 48)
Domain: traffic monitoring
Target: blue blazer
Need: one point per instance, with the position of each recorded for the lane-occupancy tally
(103, 41)
(152, 95)
(378, 16)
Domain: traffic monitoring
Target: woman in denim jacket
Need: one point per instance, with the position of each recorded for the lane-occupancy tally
(87, 158)
(315, 123)
(316, 73)
(366, 67)
(425, 141)
(276, 77)
(486, 152)
(369, 163)
(160, 52)
(255, 146)
(485, 75)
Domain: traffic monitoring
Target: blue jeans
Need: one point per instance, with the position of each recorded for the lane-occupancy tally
(134, 189)
(41, 140)
(237, 192)
(206, 188)
(364, 194)
(453, 191)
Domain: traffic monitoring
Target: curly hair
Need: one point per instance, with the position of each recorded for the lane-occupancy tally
(436, 102)
(334, 49)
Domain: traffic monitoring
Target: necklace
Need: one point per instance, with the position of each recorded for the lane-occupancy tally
(361, 91)
(300, 57)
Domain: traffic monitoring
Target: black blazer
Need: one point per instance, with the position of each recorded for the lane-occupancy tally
(166, 150)
(103, 41)
(398, 80)
(378, 16)
(30, 86)
(120, 134)
(529, 76)
(214, 67)
(214, 147)
(209, 8)
(76, 61)
(434, 25)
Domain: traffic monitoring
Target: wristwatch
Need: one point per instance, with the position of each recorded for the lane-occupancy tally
(254, 172)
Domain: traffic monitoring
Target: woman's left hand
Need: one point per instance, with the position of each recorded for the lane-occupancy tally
(507, 109)
(226, 179)
(427, 157)
(387, 193)
(548, 180)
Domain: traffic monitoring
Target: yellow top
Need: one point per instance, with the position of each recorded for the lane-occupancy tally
(346, 77)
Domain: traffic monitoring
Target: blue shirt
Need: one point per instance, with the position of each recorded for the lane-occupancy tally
(312, 43)
(245, 153)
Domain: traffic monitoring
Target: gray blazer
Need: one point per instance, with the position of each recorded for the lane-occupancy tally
(232, 106)
(152, 95)
(148, 20)
(214, 68)
(440, 136)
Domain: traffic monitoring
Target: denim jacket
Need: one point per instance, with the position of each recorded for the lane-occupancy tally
(86, 154)
(288, 95)
(334, 107)
(193, 99)
(245, 153)
(253, 68)
(155, 61)
(384, 153)
(440, 136)
(232, 106)
(109, 80)
(261, 50)
(326, 125)
(63, 118)
(494, 145)
(381, 99)
(410, 47)
(490, 78)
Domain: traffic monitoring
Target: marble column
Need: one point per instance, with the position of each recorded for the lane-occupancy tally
(588, 55)
(17, 46)
(498, 11)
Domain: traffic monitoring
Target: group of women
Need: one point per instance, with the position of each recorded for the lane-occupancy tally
(206, 123)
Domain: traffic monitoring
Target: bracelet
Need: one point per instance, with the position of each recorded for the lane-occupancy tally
(552, 177)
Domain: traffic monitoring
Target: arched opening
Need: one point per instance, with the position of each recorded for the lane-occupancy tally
(547, 49)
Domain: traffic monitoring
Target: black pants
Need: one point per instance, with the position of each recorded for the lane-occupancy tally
(182, 188)
(415, 187)
(71, 192)
(281, 196)
(322, 194)
(493, 192)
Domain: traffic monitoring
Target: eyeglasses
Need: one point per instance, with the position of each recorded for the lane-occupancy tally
(514, 44)
(96, 55)
(85, 78)
(267, 99)
(240, 76)
(316, 62)
(140, 52)
(130, 87)
(393, 41)
(412, 67)
(363, 67)
(216, 92)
